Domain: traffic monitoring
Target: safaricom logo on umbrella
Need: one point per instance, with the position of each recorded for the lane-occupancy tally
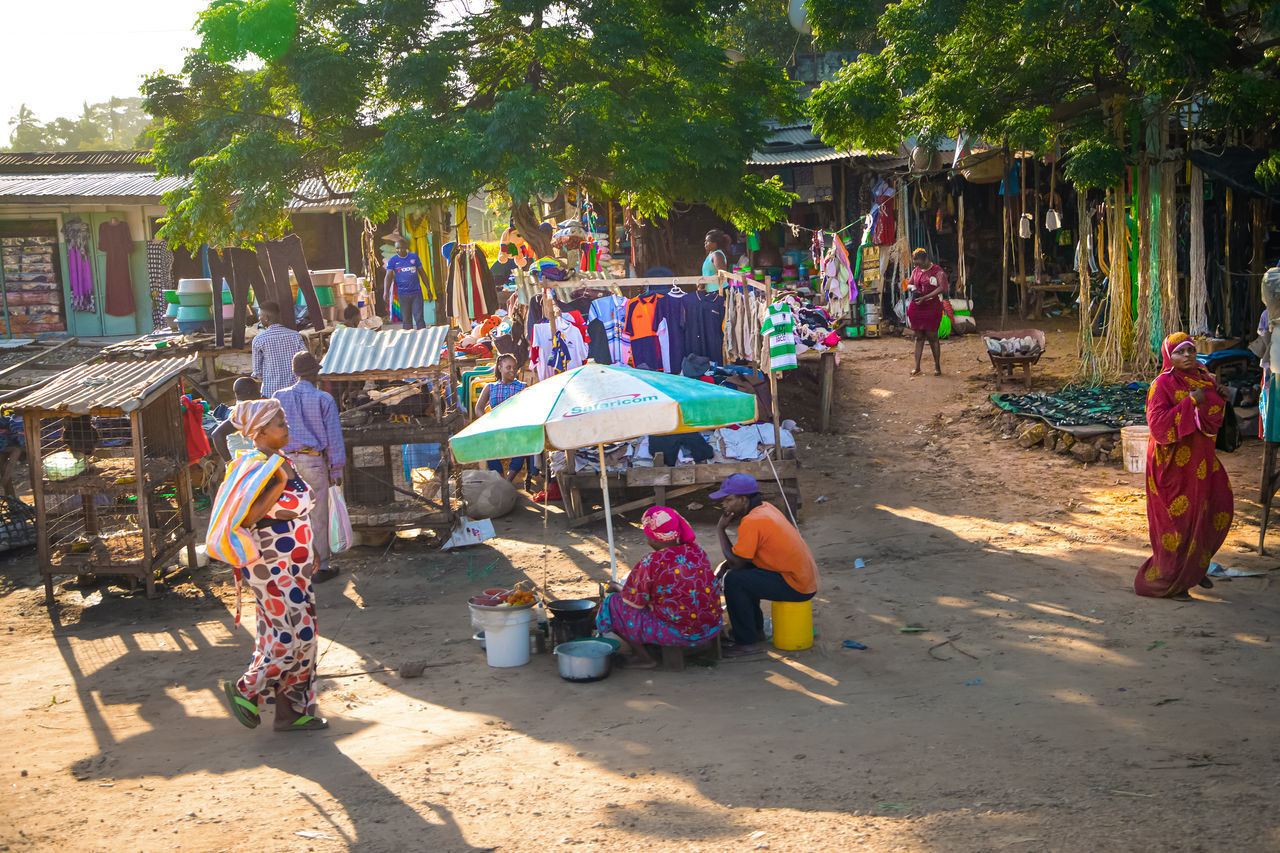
(610, 403)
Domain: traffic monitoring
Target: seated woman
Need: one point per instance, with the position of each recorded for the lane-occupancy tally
(671, 597)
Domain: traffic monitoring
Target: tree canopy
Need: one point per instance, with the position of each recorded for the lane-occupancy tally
(406, 100)
(1040, 72)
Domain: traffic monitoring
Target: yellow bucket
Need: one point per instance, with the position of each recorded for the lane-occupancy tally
(792, 625)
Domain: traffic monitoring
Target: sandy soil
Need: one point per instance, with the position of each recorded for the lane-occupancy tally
(1046, 707)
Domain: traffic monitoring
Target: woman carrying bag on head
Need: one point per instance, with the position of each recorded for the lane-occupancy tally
(260, 524)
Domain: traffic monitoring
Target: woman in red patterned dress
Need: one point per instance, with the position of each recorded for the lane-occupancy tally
(1189, 500)
(670, 598)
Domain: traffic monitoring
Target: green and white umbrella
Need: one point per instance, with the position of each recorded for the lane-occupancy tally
(598, 404)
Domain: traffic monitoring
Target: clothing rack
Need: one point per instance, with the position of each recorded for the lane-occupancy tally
(766, 289)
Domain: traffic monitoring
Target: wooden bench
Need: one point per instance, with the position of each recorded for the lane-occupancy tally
(673, 657)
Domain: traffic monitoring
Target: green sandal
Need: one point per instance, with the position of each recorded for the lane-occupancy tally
(241, 708)
(306, 723)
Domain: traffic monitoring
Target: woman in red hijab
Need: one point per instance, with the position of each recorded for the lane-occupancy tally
(671, 597)
(1189, 499)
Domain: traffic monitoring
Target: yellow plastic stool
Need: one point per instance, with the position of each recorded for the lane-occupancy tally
(792, 625)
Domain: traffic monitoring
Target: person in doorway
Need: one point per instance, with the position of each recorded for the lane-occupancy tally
(226, 439)
(406, 273)
(670, 598)
(1189, 499)
(273, 351)
(315, 448)
(263, 498)
(770, 561)
(928, 286)
(503, 388)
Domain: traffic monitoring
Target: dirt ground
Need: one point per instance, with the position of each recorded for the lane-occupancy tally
(1046, 707)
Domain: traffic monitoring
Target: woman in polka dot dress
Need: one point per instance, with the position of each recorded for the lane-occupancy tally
(282, 671)
(1189, 498)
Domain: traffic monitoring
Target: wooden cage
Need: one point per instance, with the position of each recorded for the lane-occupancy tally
(109, 471)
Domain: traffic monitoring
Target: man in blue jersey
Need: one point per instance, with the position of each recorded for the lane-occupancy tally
(405, 269)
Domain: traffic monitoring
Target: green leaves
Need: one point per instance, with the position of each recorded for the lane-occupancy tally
(1030, 71)
(630, 97)
(232, 29)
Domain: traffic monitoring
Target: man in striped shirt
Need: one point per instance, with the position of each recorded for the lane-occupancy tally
(315, 448)
(273, 351)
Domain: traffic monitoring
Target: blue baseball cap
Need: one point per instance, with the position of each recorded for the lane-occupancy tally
(737, 484)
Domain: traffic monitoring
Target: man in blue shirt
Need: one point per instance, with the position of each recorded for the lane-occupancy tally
(405, 268)
(315, 448)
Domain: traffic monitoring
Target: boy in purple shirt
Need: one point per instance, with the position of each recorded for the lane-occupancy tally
(405, 268)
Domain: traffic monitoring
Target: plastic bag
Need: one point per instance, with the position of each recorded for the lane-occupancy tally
(1052, 219)
(340, 532)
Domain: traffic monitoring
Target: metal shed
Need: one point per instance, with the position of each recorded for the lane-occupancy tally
(109, 470)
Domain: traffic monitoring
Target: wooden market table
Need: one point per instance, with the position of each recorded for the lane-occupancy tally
(671, 481)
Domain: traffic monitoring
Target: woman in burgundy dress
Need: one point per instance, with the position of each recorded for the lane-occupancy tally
(928, 286)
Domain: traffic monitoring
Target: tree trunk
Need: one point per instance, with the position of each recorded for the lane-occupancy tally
(527, 223)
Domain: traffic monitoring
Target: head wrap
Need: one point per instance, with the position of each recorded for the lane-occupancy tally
(252, 416)
(920, 253)
(663, 524)
(1172, 344)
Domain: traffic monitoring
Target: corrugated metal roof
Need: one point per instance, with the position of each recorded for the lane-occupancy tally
(140, 185)
(116, 386)
(356, 352)
(88, 184)
(17, 162)
(797, 144)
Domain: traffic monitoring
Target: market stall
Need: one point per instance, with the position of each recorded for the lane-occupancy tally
(397, 401)
(110, 471)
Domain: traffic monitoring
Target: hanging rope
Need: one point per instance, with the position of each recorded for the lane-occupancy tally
(1199, 291)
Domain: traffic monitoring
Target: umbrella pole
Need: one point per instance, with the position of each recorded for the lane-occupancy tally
(608, 514)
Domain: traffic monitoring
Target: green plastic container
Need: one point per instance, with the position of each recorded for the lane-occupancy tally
(188, 300)
(171, 296)
(323, 294)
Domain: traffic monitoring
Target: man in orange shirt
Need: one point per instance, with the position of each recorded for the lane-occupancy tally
(770, 561)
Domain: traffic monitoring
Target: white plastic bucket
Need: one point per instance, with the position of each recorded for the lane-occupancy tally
(506, 634)
(1133, 443)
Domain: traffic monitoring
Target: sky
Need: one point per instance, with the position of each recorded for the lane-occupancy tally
(57, 54)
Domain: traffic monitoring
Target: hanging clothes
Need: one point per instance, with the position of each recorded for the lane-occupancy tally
(79, 270)
(704, 325)
(642, 327)
(558, 351)
(611, 312)
(160, 272)
(466, 286)
(670, 313)
(883, 215)
(779, 328)
(115, 241)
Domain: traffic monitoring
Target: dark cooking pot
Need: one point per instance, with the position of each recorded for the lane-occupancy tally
(572, 619)
(571, 607)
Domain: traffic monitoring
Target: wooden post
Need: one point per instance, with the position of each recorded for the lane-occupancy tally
(1038, 266)
(1022, 247)
(35, 467)
(144, 499)
(1004, 248)
(773, 377)
(962, 277)
(828, 381)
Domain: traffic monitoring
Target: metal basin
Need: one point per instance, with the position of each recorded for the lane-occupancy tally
(584, 660)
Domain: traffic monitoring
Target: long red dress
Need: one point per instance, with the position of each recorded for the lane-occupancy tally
(1189, 499)
(116, 242)
(927, 315)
